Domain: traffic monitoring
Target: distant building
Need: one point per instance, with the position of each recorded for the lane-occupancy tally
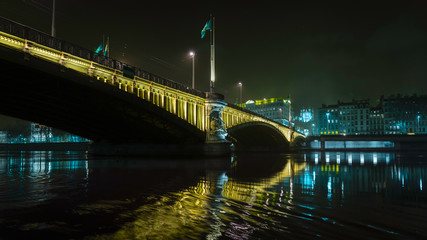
(354, 117)
(277, 109)
(393, 115)
(40, 133)
(376, 121)
(405, 115)
(304, 122)
(3, 137)
(328, 120)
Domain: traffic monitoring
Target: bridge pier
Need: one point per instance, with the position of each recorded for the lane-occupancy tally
(216, 142)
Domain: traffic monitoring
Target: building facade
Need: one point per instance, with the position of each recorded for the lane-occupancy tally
(393, 115)
(376, 121)
(305, 122)
(405, 115)
(277, 109)
(328, 120)
(354, 117)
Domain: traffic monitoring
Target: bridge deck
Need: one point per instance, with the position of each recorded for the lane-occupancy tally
(186, 103)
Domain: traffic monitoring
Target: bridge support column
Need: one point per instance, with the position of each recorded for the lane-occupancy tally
(215, 132)
(216, 144)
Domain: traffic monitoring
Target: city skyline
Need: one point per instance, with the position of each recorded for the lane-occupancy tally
(336, 51)
(317, 54)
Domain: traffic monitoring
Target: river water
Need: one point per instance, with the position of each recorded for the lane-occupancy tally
(70, 195)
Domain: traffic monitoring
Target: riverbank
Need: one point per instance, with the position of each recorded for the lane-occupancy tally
(67, 146)
(398, 143)
(182, 150)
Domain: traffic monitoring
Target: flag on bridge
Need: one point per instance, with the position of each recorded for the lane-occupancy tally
(207, 27)
(104, 48)
(100, 48)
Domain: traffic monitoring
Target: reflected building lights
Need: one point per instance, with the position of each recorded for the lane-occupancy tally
(350, 158)
(342, 189)
(215, 195)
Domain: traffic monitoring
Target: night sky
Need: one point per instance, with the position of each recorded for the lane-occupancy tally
(315, 51)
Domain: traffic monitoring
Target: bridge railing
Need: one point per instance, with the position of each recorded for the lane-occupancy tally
(149, 86)
(234, 115)
(25, 32)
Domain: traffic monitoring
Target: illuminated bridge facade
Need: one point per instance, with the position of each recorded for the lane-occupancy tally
(203, 117)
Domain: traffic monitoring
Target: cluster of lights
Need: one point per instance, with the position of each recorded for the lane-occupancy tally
(11, 40)
(47, 52)
(78, 62)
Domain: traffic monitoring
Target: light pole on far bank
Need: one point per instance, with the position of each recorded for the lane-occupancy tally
(241, 86)
(192, 55)
(418, 118)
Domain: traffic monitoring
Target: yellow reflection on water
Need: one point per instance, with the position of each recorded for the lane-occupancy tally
(200, 210)
(249, 192)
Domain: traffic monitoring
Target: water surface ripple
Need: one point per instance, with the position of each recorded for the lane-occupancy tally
(70, 195)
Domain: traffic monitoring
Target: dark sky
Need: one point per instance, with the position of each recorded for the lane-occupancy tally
(316, 51)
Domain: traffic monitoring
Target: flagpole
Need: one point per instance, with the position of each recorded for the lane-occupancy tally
(108, 45)
(212, 38)
(53, 32)
(103, 44)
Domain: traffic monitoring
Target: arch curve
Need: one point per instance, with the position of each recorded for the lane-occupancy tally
(257, 136)
(39, 91)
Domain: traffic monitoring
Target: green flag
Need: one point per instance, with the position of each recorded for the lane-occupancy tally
(206, 28)
(99, 49)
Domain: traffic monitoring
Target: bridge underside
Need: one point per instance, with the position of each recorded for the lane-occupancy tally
(257, 136)
(46, 93)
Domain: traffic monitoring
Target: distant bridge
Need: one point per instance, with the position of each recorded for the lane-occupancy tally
(59, 84)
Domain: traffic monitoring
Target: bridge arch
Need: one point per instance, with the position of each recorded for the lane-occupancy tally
(77, 104)
(93, 97)
(299, 141)
(257, 136)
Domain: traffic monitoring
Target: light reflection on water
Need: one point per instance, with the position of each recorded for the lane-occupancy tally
(330, 195)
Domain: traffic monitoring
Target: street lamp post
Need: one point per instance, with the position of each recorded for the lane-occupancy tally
(281, 116)
(241, 86)
(192, 54)
(265, 108)
(53, 20)
(418, 117)
(290, 113)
